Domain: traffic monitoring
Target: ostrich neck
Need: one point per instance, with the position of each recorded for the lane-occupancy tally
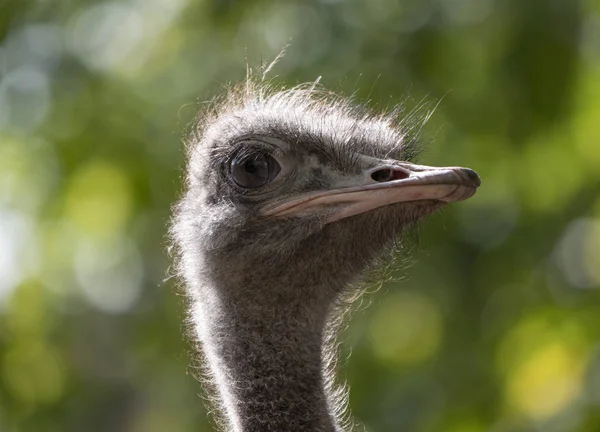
(264, 345)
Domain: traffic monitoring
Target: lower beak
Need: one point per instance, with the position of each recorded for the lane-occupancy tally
(381, 186)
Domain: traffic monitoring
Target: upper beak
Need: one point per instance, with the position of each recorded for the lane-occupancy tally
(383, 185)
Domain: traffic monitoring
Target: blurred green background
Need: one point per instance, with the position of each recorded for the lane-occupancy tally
(495, 327)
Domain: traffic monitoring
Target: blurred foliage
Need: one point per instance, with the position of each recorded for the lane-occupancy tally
(496, 327)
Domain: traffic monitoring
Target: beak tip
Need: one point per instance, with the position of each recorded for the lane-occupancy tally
(471, 176)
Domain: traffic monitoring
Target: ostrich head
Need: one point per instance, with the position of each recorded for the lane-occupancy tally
(291, 196)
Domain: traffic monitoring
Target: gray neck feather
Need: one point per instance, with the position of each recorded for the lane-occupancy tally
(265, 356)
(265, 313)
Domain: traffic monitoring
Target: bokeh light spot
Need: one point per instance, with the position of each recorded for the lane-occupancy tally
(27, 312)
(28, 172)
(25, 99)
(105, 34)
(577, 253)
(542, 360)
(549, 172)
(18, 251)
(547, 382)
(586, 134)
(110, 274)
(406, 329)
(33, 372)
(98, 200)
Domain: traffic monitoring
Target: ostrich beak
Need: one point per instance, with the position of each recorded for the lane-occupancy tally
(384, 184)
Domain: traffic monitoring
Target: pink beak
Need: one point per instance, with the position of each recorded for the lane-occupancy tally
(383, 185)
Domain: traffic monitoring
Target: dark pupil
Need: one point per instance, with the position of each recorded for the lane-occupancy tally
(256, 167)
(253, 171)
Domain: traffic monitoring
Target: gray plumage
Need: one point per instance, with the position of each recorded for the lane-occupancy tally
(267, 266)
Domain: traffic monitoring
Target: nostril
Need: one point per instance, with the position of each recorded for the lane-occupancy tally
(388, 174)
(382, 175)
(399, 175)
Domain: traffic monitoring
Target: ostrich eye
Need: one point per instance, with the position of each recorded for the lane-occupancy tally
(251, 171)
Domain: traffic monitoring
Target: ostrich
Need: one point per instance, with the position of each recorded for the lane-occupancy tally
(291, 197)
